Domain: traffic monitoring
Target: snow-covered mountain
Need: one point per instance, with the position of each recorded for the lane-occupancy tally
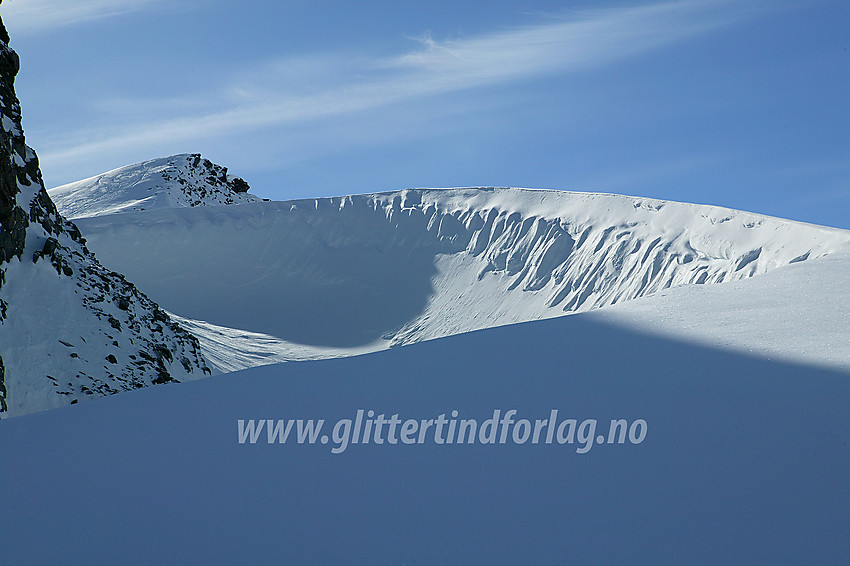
(723, 334)
(175, 181)
(275, 281)
(69, 328)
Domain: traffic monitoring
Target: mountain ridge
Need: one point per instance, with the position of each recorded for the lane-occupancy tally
(313, 278)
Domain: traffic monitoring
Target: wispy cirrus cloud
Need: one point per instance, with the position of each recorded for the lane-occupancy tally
(27, 16)
(564, 44)
(263, 100)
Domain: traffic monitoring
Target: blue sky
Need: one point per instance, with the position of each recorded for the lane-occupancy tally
(735, 103)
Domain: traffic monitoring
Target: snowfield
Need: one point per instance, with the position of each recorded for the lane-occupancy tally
(799, 314)
(744, 460)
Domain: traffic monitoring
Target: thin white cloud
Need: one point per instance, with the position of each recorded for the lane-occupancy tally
(559, 45)
(27, 16)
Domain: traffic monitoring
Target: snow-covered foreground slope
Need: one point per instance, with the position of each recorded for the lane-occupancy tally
(315, 278)
(744, 461)
(174, 181)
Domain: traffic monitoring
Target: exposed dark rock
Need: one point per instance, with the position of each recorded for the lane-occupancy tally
(3, 406)
(214, 175)
(239, 185)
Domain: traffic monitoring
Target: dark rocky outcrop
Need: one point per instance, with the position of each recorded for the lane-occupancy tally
(12, 218)
(215, 176)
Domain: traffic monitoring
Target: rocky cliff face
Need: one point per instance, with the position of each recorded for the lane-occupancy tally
(69, 328)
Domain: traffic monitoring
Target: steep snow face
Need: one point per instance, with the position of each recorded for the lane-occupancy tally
(69, 328)
(329, 277)
(177, 181)
(571, 252)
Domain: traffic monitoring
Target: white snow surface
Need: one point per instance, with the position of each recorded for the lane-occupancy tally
(175, 181)
(273, 281)
(799, 313)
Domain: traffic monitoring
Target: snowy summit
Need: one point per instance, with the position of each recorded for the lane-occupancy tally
(183, 180)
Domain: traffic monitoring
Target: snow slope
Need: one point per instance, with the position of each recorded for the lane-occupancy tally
(744, 460)
(174, 181)
(266, 282)
(800, 313)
